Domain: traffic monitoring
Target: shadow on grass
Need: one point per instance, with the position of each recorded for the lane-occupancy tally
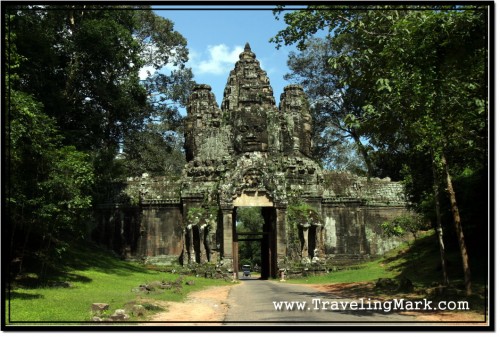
(22, 296)
(94, 257)
(421, 263)
(62, 272)
(55, 279)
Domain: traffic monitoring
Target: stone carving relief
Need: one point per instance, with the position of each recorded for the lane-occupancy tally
(250, 130)
(198, 235)
(311, 236)
(297, 121)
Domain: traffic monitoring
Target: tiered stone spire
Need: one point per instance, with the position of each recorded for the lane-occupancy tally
(203, 114)
(247, 84)
(294, 110)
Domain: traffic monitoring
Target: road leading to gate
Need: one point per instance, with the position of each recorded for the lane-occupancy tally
(251, 302)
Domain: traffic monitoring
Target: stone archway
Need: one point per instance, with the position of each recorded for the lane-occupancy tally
(273, 244)
(268, 236)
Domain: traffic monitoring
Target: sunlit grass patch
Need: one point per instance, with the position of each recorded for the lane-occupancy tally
(102, 278)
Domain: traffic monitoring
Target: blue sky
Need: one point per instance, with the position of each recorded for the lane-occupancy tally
(216, 38)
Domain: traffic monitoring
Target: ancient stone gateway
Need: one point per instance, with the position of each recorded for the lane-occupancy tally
(251, 152)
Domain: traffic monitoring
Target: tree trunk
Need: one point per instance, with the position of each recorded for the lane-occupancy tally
(439, 227)
(23, 252)
(458, 228)
(71, 20)
(364, 154)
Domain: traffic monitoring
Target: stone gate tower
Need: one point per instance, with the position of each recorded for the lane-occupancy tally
(249, 152)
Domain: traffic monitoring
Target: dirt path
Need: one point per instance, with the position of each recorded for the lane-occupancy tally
(200, 308)
(366, 290)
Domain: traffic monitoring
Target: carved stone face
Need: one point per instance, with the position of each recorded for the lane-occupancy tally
(250, 130)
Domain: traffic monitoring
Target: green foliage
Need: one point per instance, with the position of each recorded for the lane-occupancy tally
(89, 82)
(421, 78)
(195, 215)
(157, 147)
(250, 219)
(149, 30)
(302, 213)
(73, 97)
(49, 184)
(202, 215)
(336, 134)
(398, 60)
(402, 225)
(299, 214)
(392, 228)
(410, 82)
(153, 151)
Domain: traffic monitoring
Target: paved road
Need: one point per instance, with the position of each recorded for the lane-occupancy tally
(251, 303)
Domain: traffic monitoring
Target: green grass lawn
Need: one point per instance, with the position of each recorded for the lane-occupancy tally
(369, 271)
(419, 262)
(95, 276)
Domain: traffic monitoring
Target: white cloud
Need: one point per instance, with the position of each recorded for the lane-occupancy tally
(149, 55)
(221, 60)
(145, 72)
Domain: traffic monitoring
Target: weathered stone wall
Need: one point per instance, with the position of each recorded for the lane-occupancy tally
(355, 229)
(149, 231)
(144, 220)
(353, 209)
(377, 243)
(345, 186)
(161, 233)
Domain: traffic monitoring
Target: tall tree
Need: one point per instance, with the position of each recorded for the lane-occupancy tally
(417, 69)
(156, 147)
(156, 150)
(73, 94)
(435, 79)
(48, 183)
(336, 143)
(83, 64)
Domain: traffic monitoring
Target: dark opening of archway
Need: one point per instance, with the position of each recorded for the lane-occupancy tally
(255, 237)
